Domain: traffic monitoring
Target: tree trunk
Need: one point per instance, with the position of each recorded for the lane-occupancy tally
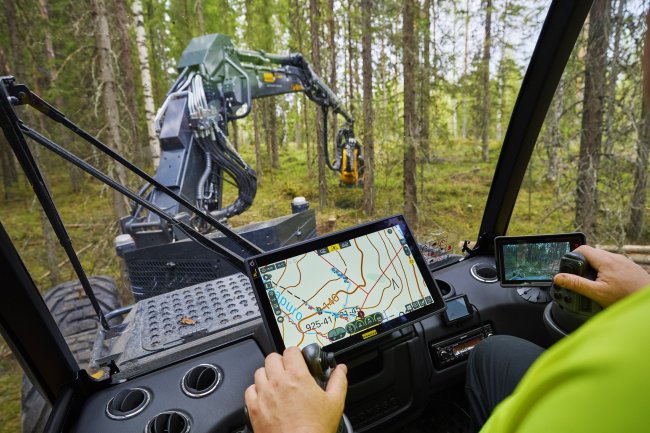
(38, 80)
(198, 13)
(638, 201)
(554, 140)
(272, 127)
(235, 134)
(368, 115)
(331, 24)
(256, 134)
(425, 83)
(9, 172)
(109, 101)
(485, 81)
(314, 13)
(409, 59)
(501, 74)
(145, 77)
(350, 60)
(592, 119)
(127, 74)
(465, 68)
(297, 124)
(613, 78)
(48, 77)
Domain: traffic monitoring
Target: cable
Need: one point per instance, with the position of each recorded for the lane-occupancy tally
(480, 320)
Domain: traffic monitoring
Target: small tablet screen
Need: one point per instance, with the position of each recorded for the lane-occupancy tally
(343, 289)
(457, 309)
(533, 260)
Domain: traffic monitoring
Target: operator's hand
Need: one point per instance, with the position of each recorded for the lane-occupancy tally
(618, 276)
(286, 399)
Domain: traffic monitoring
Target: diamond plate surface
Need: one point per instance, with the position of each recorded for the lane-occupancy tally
(196, 311)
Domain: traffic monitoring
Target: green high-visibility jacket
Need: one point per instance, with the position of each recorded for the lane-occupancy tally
(595, 380)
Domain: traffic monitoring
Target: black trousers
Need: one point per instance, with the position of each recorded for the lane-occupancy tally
(494, 369)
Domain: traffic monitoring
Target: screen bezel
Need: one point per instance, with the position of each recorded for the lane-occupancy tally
(575, 239)
(384, 328)
(468, 306)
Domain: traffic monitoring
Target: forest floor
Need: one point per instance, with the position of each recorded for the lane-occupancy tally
(452, 192)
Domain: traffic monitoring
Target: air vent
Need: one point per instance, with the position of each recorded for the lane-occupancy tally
(201, 380)
(484, 272)
(128, 403)
(169, 422)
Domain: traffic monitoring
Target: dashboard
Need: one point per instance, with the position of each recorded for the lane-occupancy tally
(391, 379)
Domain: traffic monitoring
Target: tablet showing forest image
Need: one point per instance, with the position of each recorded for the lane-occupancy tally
(533, 260)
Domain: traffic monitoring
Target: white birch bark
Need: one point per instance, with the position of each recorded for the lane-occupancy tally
(145, 75)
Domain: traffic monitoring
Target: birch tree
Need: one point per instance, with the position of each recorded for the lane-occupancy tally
(145, 77)
(368, 114)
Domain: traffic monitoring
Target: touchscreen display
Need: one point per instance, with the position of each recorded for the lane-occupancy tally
(533, 260)
(350, 289)
(457, 308)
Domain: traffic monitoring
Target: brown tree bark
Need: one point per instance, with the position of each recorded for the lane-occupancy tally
(331, 25)
(501, 73)
(235, 134)
(554, 133)
(465, 68)
(110, 110)
(272, 127)
(198, 13)
(256, 135)
(9, 172)
(613, 77)
(485, 81)
(350, 59)
(127, 74)
(425, 83)
(592, 119)
(368, 115)
(314, 13)
(638, 201)
(409, 62)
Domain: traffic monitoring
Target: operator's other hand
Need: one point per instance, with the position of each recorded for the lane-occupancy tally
(286, 399)
(618, 276)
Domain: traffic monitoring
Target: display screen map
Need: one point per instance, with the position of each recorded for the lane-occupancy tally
(345, 289)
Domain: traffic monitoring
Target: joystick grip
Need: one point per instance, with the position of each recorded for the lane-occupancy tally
(577, 306)
(320, 363)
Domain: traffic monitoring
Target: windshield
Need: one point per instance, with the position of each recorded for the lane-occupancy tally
(433, 103)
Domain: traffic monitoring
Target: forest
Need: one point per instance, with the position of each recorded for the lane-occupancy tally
(430, 83)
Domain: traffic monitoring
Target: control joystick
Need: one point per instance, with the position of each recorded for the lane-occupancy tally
(321, 364)
(568, 309)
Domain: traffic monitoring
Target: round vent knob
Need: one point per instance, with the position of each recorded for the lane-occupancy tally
(169, 422)
(201, 380)
(128, 403)
(484, 272)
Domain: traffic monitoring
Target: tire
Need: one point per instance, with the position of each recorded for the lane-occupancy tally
(77, 321)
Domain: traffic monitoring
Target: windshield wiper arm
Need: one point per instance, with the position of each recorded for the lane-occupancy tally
(9, 122)
(26, 96)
